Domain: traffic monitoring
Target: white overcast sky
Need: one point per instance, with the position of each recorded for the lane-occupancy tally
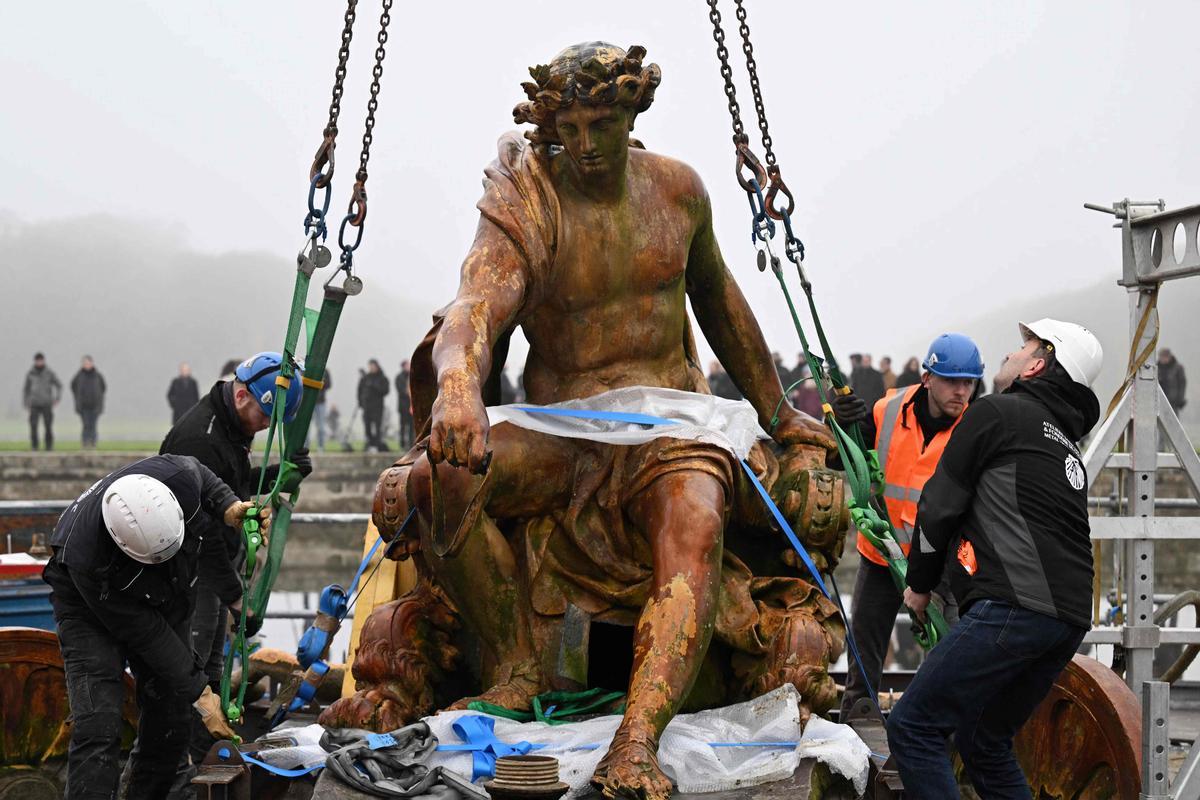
(940, 152)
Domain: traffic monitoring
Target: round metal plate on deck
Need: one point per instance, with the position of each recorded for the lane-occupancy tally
(33, 700)
(1084, 740)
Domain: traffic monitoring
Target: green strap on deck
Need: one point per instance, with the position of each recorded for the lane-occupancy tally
(558, 708)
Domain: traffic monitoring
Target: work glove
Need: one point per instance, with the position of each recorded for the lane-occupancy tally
(237, 512)
(848, 408)
(302, 461)
(253, 622)
(209, 707)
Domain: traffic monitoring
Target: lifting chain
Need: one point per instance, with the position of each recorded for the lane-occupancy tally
(760, 180)
(735, 111)
(752, 68)
(324, 154)
(356, 213)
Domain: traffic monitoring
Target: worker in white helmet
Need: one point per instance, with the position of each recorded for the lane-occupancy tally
(1008, 504)
(123, 575)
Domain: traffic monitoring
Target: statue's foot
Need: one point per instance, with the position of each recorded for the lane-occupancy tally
(516, 693)
(631, 770)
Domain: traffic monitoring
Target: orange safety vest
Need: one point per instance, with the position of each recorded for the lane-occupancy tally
(906, 463)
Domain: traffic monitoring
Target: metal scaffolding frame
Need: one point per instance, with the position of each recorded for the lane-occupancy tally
(1150, 237)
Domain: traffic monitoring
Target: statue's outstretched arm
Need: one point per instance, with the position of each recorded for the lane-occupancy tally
(490, 294)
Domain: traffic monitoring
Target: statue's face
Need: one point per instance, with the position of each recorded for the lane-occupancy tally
(595, 137)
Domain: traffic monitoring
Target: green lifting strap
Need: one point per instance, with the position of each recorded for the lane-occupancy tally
(559, 707)
(281, 497)
(867, 509)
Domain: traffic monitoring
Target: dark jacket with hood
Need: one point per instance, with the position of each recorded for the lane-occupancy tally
(1012, 483)
(210, 431)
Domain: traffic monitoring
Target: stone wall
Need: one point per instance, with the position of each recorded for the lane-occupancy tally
(317, 553)
(341, 482)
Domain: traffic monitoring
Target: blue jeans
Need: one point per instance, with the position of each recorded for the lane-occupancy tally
(981, 683)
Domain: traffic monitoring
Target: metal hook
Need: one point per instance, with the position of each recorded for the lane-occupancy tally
(778, 187)
(747, 160)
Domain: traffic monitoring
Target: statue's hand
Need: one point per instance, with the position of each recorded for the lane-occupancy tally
(459, 430)
(797, 428)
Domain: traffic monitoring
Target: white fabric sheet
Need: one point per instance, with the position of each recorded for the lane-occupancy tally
(729, 424)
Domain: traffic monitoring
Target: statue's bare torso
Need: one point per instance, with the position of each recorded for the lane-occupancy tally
(613, 312)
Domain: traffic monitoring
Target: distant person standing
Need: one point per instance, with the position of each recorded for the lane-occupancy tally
(404, 406)
(911, 375)
(183, 393)
(866, 381)
(41, 394)
(889, 377)
(805, 396)
(720, 384)
(1172, 379)
(229, 369)
(372, 388)
(88, 388)
(319, 412)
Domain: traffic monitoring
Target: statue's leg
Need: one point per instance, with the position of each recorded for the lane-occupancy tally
(682, 514)
(529, 475)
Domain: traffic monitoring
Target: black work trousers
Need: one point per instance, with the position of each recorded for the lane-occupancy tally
(88, 417)
(873, 613)
(373, 428)
(46, 415)
(94, 661)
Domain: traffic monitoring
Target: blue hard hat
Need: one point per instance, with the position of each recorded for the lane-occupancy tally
(259, 373)
(953, 355)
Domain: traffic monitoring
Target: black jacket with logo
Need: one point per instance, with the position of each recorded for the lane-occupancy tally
(211, 433)
(1012, 483)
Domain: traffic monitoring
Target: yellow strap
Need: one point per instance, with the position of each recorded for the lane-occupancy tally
(282, 381)
(312, 384)
(844, 390)
(826, 408)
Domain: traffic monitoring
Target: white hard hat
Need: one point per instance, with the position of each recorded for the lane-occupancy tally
(143, 517)
(1075, 347)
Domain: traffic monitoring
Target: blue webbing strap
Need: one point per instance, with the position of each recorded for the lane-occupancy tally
(280, 771)
(800, 549)
(604, 416)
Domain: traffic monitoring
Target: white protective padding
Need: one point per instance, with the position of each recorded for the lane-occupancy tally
(729, 424)
(684, 751)
(304, 753)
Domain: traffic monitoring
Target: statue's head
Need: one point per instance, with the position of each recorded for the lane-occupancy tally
(592, 74)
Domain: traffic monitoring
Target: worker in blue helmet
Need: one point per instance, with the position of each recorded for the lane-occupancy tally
(909, 428)
(258, 375)
(219, 432)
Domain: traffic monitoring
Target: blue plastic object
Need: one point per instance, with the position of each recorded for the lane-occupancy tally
(479, 736)
(954, 355)
(26, 603)
(259, 373)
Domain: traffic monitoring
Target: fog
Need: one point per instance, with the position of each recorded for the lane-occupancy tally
(155, 160)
